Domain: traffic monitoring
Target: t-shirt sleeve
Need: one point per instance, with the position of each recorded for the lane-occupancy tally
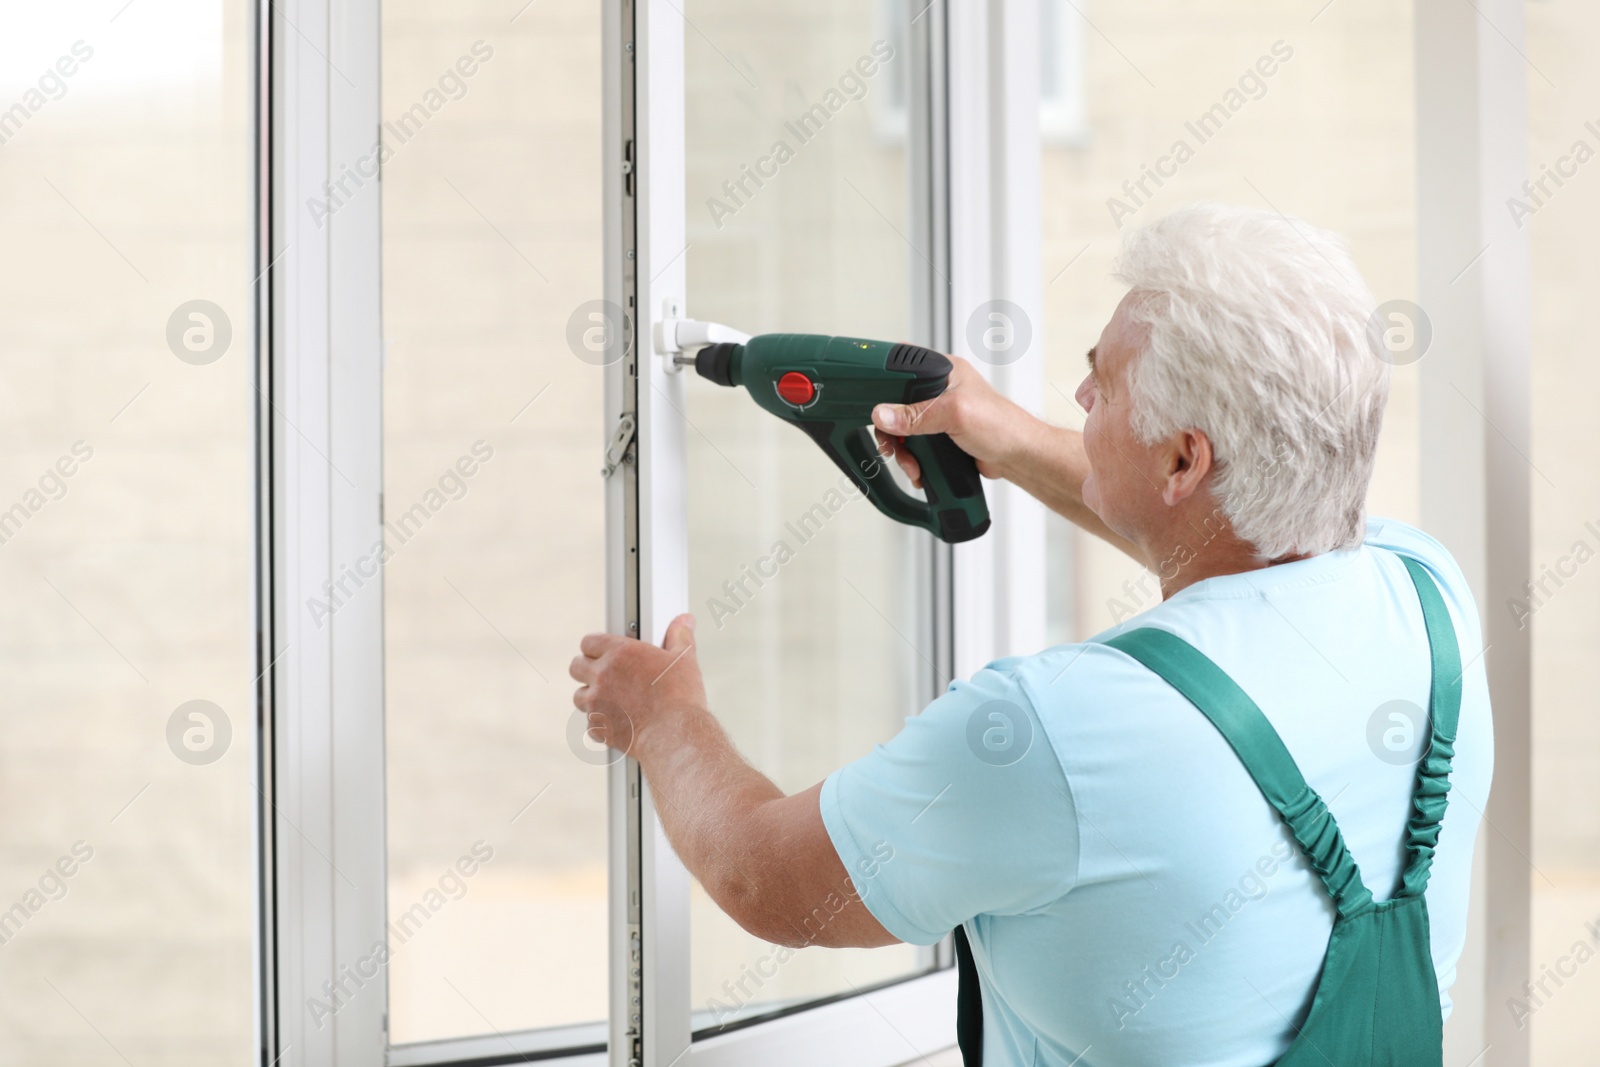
(965, 812)
(1407, 540)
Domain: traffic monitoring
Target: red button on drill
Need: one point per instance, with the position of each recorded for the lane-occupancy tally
(796, 388)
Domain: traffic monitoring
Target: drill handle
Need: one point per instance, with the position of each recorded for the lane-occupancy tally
(956, 505)
(955, 509)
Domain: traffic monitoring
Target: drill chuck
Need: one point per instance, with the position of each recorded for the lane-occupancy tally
(719, 362)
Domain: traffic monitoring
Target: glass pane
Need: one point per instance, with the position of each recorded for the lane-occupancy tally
(1327, 136)
(798, 210)
(492, 437)
(126, 544)
(1562, 602)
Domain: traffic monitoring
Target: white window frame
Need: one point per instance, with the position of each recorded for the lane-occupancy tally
(994, 211)
(321, 818)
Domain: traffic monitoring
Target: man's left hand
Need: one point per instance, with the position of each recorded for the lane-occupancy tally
(631, 689)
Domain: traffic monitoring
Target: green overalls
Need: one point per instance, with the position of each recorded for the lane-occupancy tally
(1377, 1002)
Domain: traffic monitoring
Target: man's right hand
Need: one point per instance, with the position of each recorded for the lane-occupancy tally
(984, 424)
(1046, 461)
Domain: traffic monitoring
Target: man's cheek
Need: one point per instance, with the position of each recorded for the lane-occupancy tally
(1093, 445)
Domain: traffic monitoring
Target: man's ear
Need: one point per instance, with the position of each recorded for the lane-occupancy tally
(1188, 462)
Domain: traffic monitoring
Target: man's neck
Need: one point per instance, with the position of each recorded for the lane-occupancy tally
(1197, 550)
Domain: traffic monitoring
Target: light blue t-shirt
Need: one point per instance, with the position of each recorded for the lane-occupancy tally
(1130, 896)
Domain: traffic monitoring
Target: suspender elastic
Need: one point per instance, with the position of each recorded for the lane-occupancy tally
(1431, 796)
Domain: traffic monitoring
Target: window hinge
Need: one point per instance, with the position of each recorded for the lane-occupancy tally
(621, 442)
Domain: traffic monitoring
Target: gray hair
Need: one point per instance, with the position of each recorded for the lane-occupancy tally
(1259, 336)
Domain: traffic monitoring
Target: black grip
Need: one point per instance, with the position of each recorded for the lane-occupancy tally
(950, 481)
(960, 469)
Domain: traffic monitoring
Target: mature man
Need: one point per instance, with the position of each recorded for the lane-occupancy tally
(1214, 806)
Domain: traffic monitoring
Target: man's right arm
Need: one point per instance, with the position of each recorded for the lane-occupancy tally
(1047, 462)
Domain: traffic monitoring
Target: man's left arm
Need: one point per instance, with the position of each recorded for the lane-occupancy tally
(765, 858)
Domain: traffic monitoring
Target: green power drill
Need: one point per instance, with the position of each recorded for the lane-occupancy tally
(828, 386)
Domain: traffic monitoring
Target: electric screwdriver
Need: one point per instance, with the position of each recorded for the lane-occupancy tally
(828, 386)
